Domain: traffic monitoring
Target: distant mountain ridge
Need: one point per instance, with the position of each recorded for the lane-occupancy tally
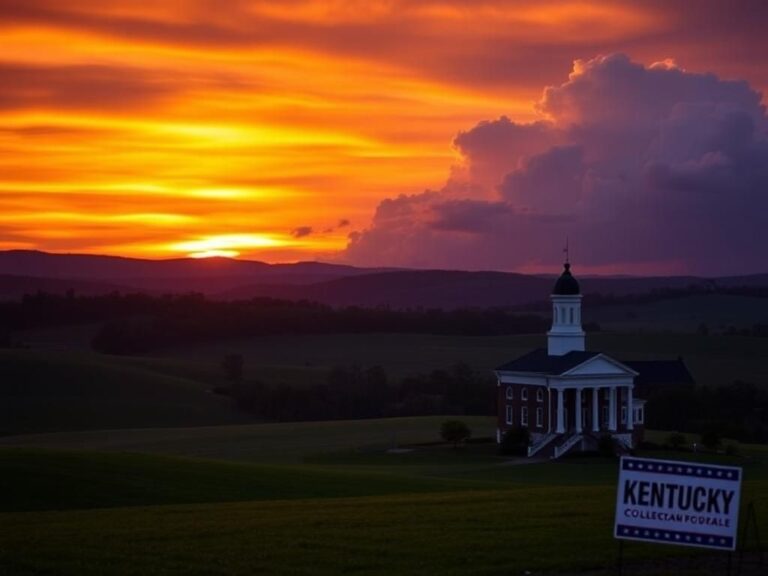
(207, 275)
(337, 285)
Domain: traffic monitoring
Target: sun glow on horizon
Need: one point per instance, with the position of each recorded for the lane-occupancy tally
(214, 254)
(227, 245)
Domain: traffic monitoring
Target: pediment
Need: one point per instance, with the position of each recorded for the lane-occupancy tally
(600, 365)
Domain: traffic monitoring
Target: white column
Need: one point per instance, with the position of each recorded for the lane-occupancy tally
(612, 409)
(578, 411)
(560, 425)
(549, 410)
(630, 411)
(595, 410)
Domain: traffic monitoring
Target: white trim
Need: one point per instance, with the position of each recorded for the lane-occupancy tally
(539, 394)
(539, 417)
(524, 393)
(524, 416)
(616, 363)
(510, 393)
(509, 413)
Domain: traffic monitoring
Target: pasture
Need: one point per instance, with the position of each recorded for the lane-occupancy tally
(314, 498)
(131, 465)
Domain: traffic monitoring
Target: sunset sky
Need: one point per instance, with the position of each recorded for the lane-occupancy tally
(444, 133)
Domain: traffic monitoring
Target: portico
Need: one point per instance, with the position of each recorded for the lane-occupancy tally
(587, 402)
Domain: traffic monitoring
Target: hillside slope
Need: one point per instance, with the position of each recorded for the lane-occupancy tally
(51, 391)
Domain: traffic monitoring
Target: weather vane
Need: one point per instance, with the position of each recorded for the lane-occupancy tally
(566, 251)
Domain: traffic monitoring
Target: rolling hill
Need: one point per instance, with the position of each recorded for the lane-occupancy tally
(336, 285)
(50, 390)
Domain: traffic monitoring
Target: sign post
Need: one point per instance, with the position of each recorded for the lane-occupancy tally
(684, 503)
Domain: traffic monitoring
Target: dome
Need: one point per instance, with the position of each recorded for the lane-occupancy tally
(566, 285)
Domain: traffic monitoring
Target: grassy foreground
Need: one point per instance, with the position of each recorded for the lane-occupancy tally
(431, 511)
(538, 529)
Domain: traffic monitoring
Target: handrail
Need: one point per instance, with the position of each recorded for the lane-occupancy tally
(567, 445)
(541, 444)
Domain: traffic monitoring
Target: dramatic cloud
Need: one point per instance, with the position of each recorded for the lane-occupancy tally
(301, 231)
(641, 167)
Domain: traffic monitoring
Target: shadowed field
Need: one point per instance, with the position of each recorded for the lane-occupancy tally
(444, 512)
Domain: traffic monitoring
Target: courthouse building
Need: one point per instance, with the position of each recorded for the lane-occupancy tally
(568, 397)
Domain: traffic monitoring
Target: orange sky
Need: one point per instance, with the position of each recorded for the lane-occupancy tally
(271, 130)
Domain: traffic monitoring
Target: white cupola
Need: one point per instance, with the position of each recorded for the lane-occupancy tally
(566, 333)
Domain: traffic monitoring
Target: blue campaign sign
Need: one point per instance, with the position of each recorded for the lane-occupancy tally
(671, 502)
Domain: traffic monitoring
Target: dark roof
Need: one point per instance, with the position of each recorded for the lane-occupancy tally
(660, 371)
(650, 372)
(566, 285)
(540, 361)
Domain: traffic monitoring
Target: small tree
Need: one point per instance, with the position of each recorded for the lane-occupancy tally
(454, 431)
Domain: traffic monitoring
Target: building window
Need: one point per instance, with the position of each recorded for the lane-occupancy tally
(524, 394)
(639, 415)
(539, 395)
(623, 414)
(605, 415)
(524, 416)
(571, 315)
(509, 414)
(510, 393)
(539, 417)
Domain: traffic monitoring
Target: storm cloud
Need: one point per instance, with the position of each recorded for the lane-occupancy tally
(643, 168)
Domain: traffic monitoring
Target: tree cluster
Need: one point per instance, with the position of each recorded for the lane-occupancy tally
(738, 410)
(139, 323)
(353, 392)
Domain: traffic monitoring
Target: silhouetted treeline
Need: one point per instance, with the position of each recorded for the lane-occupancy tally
(137, 323)
(597, 299)
(738, 410)
(756, 330)
(354, 392)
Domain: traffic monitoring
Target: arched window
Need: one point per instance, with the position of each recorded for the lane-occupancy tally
(510, 393)
(524, 394)
(539, 395)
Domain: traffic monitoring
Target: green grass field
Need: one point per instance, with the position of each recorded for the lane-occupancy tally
(94, 513)
(42, 390)
(157, 493)
(316, 498)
